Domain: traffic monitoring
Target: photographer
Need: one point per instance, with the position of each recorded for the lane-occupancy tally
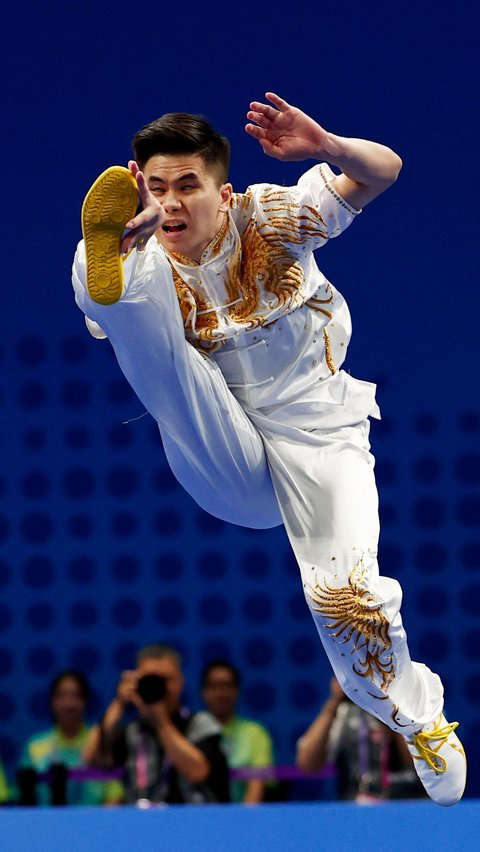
(169, 754)
(371, 760)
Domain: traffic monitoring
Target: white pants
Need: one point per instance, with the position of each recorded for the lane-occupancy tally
(260, 432)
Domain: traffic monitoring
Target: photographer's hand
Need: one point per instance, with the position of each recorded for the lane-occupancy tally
(97, 747)
(312, 747)
(127, 690)
(187, 759)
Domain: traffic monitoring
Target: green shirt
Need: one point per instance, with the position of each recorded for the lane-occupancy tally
(52, 746)
(246, 743)
(4, 791)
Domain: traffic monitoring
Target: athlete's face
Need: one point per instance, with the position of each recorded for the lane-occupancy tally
(192, 199)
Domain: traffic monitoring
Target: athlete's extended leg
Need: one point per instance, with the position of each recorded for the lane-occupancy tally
(326, 487)
(213, 448)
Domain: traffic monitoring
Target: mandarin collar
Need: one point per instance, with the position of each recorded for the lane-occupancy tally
(212, 250)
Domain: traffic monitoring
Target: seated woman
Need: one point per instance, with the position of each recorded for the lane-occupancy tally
(246, 743)
(64, 743)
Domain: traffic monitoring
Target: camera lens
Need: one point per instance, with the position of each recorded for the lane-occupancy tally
(151, 688)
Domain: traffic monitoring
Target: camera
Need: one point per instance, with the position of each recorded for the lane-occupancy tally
(152, 688)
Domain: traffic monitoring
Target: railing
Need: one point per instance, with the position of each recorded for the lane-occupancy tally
(57, 776)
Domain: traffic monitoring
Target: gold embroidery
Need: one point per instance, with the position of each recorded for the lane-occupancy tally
(242, 283)
(297, 224)
(328, 352)
(185, 296)
(272, 268)
(372, 665)
(296, 231)
(394, 717)
(355, 614)
(182, 258)
(314, 300)
(207, 346)
(263, 276)
(213, 247)
(207, 323)
(241, 200)
(320, 310)
(315, 303)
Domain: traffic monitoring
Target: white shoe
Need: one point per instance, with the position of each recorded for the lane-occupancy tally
(439, 760)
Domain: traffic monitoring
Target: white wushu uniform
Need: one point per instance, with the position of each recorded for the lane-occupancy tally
(237, 358)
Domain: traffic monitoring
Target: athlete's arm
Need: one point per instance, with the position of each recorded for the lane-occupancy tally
(287, 133)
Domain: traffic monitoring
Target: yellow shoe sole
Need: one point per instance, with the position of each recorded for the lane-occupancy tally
(109, 204)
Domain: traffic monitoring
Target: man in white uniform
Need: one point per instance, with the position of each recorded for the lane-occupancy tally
(232, 338)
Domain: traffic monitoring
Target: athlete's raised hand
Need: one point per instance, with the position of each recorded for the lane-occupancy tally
(150, 218)
(285, 132)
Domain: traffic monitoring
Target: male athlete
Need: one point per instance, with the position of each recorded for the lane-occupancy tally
(233, 340)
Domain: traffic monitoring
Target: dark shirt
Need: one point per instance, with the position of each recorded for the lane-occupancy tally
(149, 772)
(367, 758)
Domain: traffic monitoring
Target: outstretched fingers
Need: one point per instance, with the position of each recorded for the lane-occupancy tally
(261, 112)
(265, 115)
(255, 131)
(143, 190)
(139, 229)
(261, 118)
(280, 104)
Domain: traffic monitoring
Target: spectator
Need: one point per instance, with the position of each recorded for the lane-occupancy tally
(169, 754)
(4, 789)
(63, 744)
(246, 743)
(372, 761)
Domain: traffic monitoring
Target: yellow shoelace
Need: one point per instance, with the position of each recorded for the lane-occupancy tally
(429, 753)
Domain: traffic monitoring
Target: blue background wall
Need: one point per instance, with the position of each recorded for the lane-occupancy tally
(101, 550)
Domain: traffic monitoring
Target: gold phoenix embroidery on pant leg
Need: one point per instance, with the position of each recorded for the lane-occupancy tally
(394, 719)
(355, 614)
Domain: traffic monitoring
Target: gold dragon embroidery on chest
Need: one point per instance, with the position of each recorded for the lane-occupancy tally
(262, 276)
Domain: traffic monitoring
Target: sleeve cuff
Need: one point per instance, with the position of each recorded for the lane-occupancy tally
(328, 178)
